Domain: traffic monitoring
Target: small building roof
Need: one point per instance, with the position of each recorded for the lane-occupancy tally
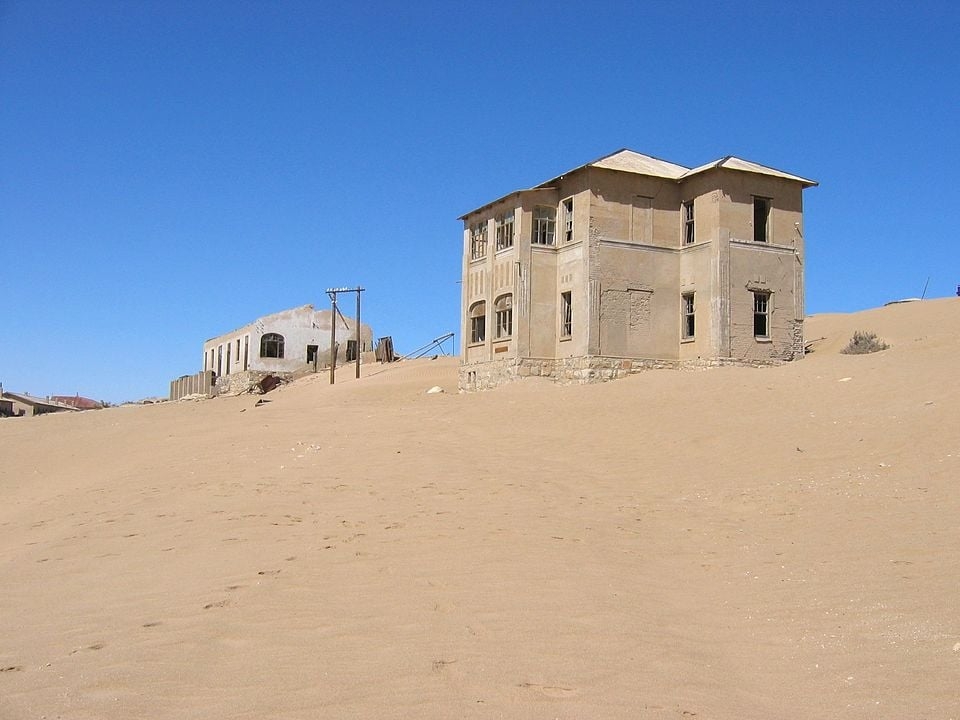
(77, 401)
(35, 401)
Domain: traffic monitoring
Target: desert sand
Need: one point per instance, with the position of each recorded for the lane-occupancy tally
(729, 543)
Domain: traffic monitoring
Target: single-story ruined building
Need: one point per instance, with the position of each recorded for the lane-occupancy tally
(21, 404)
(284, 343)
(630, 262)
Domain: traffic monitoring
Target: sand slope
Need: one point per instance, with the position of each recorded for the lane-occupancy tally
(732, 543)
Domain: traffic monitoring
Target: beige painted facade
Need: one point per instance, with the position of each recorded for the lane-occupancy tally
(631, 262)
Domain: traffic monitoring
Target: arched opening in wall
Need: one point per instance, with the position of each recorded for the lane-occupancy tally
(503, 317)
(478, 322)
(271, 345)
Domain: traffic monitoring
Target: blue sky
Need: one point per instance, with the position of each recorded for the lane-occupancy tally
(172, 170)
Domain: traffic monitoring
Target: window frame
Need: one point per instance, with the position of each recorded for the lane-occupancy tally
(767, 204)
(478, 240)
(544, 226)
(568, 210)
(275, 340)
(503, 317)
(566, 315)
(762, 315)
(504, 230)
(478, 322)
(689, 223)
(688, 316)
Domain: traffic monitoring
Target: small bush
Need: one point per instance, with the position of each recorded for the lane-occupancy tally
(863, 343)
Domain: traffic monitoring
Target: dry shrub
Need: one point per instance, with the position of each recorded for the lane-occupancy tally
(863, 343)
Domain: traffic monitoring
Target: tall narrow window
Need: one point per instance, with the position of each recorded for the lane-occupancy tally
(228, 358)
(478, 240)
(503, 316)
(689, 317)
(761, 314)
(544, 225)
(219, 360)
(246, 352)
(566, 314)
(478, 322)
(271, 345)
(504, 230)
(688, 227)
(568, 220)
(761, 219)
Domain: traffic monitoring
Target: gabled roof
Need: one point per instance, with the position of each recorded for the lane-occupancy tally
(625, 160)
(629, 161)
(734, 163)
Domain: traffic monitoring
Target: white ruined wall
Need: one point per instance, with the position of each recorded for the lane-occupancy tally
(299, 327)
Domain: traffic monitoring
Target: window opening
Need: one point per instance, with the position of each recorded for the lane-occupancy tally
(478, 322)
(271, 346)
(761, 314)
(566, 314)
(688, 227)
(503, 316)
(689, 317)
(761, 217)
(568, 220)
(544, 225)
(478, 240)
(504, 230)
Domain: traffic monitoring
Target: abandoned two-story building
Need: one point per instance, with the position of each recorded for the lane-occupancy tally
(630, 262)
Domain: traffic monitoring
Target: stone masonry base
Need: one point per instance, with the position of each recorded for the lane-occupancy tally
(579, 370)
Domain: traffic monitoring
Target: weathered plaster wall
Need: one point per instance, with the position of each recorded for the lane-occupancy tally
(299, 327)
(638, 304)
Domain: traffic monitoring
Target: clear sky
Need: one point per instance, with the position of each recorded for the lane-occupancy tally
(172, 170)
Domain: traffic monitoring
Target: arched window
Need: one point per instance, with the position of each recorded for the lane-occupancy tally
(503, 314)
(478, 322)
(271, 346)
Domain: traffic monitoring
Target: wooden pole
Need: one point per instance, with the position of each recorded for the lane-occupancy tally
(359, 347)
(333, 339)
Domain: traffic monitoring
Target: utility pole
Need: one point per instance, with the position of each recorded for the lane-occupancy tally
(333, 336)
(332, 292)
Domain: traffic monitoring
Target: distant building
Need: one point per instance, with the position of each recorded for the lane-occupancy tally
(285, 342)
(21, 404)
(80, 403)
(630, 262)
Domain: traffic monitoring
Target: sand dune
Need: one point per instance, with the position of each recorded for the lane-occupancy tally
(731, 543)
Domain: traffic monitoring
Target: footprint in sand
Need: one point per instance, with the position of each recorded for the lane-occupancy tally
(218, 604)
(553, 691)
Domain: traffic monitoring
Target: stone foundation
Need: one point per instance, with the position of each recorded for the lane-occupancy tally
(580, 370)
(245, 382)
